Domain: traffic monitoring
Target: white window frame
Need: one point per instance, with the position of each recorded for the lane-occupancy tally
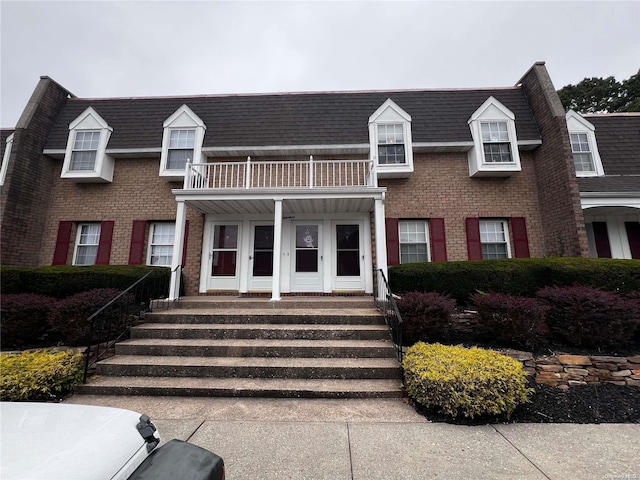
(150, 254)
(5, 159)
(389, 113)
(182, 119)
(79, 245)
(505, 229)
(102, 171)
(492, 111)
(577, 124)
(426, 242)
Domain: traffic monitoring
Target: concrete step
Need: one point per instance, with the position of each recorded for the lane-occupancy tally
(264, 303)
(251, 367)
(242, 387)
(256, 348)
(264, 331)
(344, 316)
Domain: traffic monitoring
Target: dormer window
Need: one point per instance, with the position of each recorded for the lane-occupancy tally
(495, 145)
(181, 143)
(584, 147)
(390, 141)
(85, 159)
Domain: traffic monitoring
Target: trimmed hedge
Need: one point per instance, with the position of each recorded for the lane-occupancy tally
(522, 277)
(464, 381)
(426, 316)
(39, 375)
(23, 321)
(64, 281)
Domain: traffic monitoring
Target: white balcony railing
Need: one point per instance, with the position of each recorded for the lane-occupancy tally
(281, 174)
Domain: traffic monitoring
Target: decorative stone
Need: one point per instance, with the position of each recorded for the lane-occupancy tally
(552, 375)
(547, 361)
(518, 355)
(551, 368)
(600, 372)
(574, 360)
(621, 373)
(548, 381)
(563, 387)
(577, 371)
(609, 359)
(635, 359)
(592, 379)
(529, 363)
(620, 384)
(634, 377)
(632, 383)
(607, 366)
(573, 383)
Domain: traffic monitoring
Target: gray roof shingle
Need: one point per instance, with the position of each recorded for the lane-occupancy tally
(330, 118)
(618, 137)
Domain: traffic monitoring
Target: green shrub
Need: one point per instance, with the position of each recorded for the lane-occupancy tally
(460, 381)
(64, 281)
(39, 375)
(24, 320)
(510, 321)
(589, 317)
(426, 316)
(514, 276)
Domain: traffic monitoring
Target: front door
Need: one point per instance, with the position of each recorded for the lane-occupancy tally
(261, 257)
(349, 258)
(223, 256)
(307, 259)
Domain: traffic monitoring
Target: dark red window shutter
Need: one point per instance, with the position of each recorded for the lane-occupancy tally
(603, 248)
(184, 243)
(520, 238)
(62, 243)
(104, 246)
(438, 240)
(393, 241)
(136, 250)
(474, 247)
(633, 235)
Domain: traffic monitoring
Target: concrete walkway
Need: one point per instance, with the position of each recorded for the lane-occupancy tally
(381, 439)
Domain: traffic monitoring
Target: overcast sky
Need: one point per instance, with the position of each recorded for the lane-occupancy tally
(106, 49)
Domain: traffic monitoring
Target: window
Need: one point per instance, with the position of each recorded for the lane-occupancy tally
(413, 241)
(85, 149)
(181, 143)
(495, 145)
(581, 152)
(85, 158)
(161, 238)
(494, 238)
(495, 140)
(225, 251)
(390, 141)
(391, 144)
(181, 146)
(87, 242)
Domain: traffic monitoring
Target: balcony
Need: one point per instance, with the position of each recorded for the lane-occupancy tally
(251, 175)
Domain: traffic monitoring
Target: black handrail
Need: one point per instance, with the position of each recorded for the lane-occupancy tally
(112, 321)
(386, 303)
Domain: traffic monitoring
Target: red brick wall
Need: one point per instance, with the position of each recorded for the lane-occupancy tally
(561, 212)
(441, 187)
(137, 193)
(25, 194)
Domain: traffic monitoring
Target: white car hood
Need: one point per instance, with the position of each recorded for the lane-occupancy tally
(60, 441)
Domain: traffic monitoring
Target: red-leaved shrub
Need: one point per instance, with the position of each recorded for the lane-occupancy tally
(511, 321)
(426, 316)
(24, 320)
(69, 317)
(589, 317)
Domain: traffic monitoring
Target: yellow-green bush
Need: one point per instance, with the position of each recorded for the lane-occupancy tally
(464, 381)
(39, 374)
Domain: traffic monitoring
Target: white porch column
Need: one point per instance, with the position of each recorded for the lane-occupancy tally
(381, 242)
(178, 243)
(277, 250)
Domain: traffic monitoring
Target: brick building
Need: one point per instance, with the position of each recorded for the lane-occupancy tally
(312, 192)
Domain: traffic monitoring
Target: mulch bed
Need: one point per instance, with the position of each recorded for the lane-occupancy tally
(597, 403)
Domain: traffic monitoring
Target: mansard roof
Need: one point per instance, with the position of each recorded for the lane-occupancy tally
(291, 119)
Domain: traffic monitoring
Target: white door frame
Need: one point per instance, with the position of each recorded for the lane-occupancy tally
(308, 281)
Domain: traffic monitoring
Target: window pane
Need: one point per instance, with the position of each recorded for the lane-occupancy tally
(306, 237)
(494, 132)
(225, 236)
(497, 152)
(87, 140)
(163, 233)
(86, 255)
(182, 139)
(161, 255)
(348, 263)
(391, 154)
(89, 234)
(177, 159)
(583, 162)
(413, 232)
(306, 260)
(411, 253)
(348, 237)
(494, 250)
(83, 160)
(223, 264)
(263, 263)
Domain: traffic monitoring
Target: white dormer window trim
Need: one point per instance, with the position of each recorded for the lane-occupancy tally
(181, 143)
(579, 128)
(5, 159)
(495, 143)
(85, 159)
(390, 129)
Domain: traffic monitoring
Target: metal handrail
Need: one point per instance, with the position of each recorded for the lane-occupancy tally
(111, 322)
(386, 303)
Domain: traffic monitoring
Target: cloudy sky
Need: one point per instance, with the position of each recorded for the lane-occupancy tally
(126, 48)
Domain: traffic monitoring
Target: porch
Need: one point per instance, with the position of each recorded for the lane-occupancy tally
(284, 226)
